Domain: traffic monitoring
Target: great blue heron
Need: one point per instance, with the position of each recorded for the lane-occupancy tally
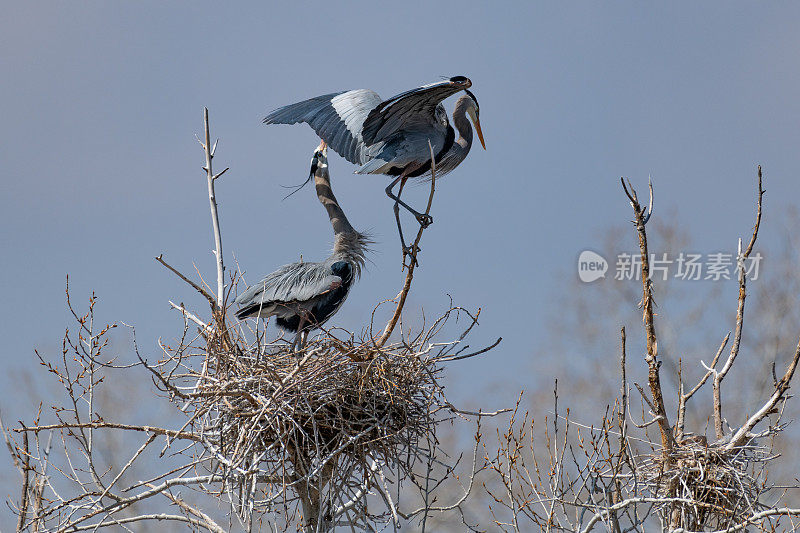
(302, 296)
(391, 136)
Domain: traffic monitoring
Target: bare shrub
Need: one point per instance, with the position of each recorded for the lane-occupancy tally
(620, 475)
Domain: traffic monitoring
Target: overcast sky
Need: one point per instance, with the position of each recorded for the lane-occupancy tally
(100, 102)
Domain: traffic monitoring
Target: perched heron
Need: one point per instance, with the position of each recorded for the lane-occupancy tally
(391, 136)
(304, 295)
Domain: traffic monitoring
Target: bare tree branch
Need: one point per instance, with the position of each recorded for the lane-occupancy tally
(737, 336)
(212, 199)
(401, 297)
(653, 364)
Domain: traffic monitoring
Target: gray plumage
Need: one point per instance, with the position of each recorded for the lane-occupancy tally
(295, 282)
(391, 136)
(337, 118)
(305, 295)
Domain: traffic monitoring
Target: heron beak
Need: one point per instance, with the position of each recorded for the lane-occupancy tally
(477, 123)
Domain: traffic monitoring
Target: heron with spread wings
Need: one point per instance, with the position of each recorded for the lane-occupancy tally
(304, 295)
(392, 136)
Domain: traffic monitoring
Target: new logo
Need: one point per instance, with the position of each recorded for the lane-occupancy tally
(591, 266)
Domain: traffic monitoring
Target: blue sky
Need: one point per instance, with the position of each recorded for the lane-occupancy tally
(101, 172)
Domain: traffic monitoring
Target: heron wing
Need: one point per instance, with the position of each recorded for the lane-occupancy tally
(414, 107)
(296, 282)
(337, 118)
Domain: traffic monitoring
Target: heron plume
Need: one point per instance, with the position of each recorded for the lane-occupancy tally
(352, 247)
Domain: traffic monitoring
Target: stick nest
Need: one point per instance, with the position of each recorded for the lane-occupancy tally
(272, 418)
(712, 485)
(332, 397)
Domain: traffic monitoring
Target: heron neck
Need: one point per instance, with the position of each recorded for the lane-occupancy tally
(325, 194)
(462, 124)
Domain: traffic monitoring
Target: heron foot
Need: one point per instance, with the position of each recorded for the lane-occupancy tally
(424, 220)
(411, 251)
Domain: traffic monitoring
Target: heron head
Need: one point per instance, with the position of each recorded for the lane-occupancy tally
(461, 80)
(321, 154)
(319, 161)
(474, 112)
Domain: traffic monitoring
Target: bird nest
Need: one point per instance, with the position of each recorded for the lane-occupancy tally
(332, 397)
(712, 486)
(329, 413)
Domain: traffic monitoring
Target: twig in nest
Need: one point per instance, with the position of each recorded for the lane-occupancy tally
(194, 285)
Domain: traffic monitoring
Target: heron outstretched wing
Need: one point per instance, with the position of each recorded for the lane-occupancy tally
(417, 106)
(337, 118)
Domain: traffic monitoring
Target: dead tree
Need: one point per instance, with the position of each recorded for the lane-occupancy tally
(341, 433)
(615, 475)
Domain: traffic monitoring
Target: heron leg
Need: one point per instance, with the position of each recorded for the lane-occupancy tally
(407, 250)
(300, 340)
(423, 219)
(301, 336)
